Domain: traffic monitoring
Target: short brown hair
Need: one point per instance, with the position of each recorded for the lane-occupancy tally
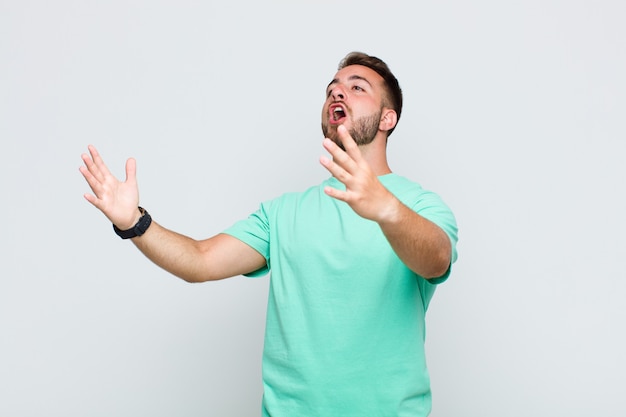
(394, 92)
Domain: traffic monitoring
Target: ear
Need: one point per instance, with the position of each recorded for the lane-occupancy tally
(388, 119)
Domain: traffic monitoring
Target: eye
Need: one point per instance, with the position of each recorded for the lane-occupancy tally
(358, 88)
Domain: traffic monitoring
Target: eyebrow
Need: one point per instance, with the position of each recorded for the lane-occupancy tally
(350, 78)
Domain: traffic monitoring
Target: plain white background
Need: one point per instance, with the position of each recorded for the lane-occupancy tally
(514, 114)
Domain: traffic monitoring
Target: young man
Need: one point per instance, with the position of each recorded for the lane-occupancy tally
(354, 261)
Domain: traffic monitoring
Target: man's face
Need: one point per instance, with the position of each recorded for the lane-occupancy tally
(354, 99)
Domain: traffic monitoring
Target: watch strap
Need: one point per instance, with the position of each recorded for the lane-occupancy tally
(138, 229)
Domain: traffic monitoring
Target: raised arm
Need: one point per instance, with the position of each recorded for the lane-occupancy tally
(219, 257)
(422, 245)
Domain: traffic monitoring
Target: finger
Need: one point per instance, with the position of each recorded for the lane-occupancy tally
(335, 193)
(336, 170)
(91, 166)
(131, 170)
(91, 198)
(93, 182)
(340, 157)
(348, 143)
(103, 170)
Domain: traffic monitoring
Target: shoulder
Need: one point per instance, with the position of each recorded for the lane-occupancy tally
(413, 195)
(294, 198)
(405, 189)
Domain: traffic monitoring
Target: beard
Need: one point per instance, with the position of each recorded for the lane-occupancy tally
(363, 130)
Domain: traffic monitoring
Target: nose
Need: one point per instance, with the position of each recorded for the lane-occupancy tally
(337, 93)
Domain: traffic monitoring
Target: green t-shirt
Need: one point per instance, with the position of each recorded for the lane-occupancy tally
(345, 317)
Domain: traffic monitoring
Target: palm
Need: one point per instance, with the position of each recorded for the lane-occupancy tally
(116, 199)
(364, 193)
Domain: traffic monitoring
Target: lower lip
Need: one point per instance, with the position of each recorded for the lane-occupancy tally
(332, 121)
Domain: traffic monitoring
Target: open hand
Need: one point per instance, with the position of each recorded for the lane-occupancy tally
(117, 200)
(364, 192)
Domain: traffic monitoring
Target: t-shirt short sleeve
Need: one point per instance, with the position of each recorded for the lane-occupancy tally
(255, 232)
(431, 207)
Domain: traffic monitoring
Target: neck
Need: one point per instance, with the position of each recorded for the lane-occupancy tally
(375, 154)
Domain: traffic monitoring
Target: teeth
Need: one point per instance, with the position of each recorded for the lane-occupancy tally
(338, 113)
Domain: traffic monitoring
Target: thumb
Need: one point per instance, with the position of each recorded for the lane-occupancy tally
(131, 170)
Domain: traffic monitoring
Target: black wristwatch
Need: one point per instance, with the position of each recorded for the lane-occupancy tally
(139, 229)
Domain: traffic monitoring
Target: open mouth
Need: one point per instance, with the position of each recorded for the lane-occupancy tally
(337, 114)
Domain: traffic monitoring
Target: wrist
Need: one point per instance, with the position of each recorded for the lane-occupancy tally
(391, 212)
(130, 221)
(138, 213)
(141, 223)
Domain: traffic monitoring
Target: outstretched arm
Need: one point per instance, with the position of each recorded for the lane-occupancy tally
(221, 256)
(423, 246)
